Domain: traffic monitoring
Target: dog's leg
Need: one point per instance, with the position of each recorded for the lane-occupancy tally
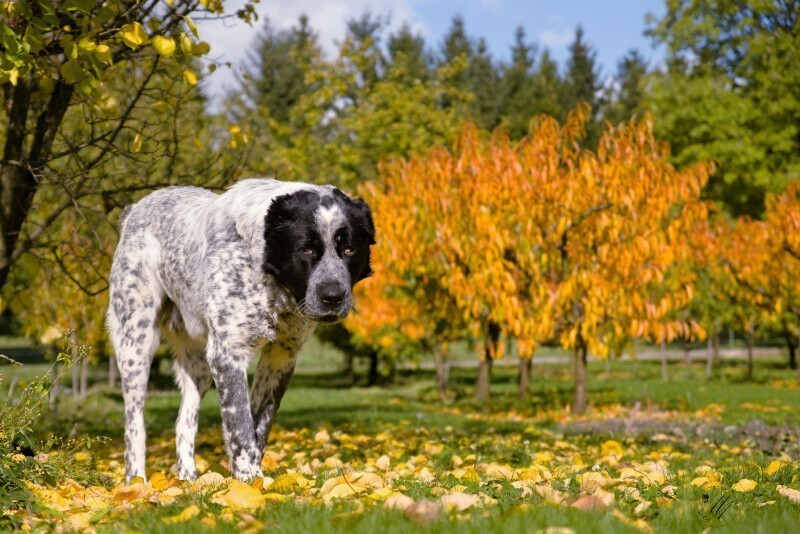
(229, 368)
(193, 377)
(272, 376)
(135, 299)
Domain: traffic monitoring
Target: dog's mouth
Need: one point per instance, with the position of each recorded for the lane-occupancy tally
(328, 319)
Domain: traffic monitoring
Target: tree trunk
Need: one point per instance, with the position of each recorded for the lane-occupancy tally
(607, 364)
(55, 386)
(579, 401)
(791, 346)
(484, 380)
(112, 372)
(664, 374)
(709, 357)
(84, 378)
(76, 381)
(524, 382)
(715, 344)
(687, 354)
(347, 370)
(18, 182)
(442, 370)
(373, 376)
(749, 351)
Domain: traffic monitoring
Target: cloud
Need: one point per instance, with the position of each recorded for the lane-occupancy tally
(230, 39)
(554, 39)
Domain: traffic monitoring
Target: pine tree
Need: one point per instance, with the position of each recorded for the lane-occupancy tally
(364, 33)
(279, 61)
(518, 91)
(408, 56)
(483, 81)
(582, 84)
(547, 88)
(457, 47)
(628, 95)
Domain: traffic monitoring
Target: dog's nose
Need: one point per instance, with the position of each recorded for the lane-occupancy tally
(332, 293)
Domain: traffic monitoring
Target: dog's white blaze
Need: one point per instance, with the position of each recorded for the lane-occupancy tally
(328, 220)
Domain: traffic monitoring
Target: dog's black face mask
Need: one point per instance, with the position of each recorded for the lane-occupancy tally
(317, 245)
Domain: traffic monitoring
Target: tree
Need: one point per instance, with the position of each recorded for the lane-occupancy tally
(57, 56)
(408, 56)
(484, 85)
(540, 241)
(732, 65)
(276, 67)
(547, 87)
(518, 87)
(627, 99)
(581, 82)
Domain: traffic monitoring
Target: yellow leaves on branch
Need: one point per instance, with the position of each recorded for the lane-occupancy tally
(546, 240)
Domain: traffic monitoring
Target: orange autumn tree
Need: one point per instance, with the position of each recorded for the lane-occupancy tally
(760, 264)
(540, 241)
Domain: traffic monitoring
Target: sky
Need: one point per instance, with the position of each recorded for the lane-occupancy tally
(612, 27)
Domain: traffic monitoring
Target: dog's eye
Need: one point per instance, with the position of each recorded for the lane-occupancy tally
(308, 251)
(348, 251)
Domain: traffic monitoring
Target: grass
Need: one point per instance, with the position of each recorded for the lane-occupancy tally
(734, 426)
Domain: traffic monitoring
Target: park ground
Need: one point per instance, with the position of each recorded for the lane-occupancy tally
(683, 455)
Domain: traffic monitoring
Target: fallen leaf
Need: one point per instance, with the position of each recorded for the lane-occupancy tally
(744, 485)
(188, 513)
(791, 494)
(239, 496)
(460, 501)
(589, 502)
(423, 511)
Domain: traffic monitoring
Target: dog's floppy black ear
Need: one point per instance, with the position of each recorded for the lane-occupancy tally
(282, 213)
(364, 219)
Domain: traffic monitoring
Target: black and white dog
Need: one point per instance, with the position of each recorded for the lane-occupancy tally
(225, 277)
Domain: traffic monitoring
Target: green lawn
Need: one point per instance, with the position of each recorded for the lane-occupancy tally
(733, 426)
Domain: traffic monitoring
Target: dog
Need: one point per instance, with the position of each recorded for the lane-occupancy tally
(224, 278)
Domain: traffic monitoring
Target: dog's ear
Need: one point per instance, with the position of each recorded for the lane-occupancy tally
(282, 212)
(363, 219)
(365, 227)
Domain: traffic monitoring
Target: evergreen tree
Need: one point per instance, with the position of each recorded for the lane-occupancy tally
(628, 97)
(408, 56)
(518, 88)
(364, 35)
(277, 64)
(547, 87)
(581, 83)
(456, 48)
(483, 81)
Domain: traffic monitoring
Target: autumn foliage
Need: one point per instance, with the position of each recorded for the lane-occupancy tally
(539, 241)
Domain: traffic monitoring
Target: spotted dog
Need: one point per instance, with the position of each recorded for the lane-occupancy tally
(224, 278)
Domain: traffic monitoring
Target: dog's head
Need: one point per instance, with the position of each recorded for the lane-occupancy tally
(317, 245)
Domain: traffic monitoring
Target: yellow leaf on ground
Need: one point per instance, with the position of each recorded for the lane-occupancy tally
(383, 463)
(744, 485)
(460, 501)
(239, 496)
(209, 480)
(773, 467)
(397, 501)
(139, 490)
(188, 513)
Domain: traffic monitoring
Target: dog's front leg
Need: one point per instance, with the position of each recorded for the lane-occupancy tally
(272, 377)
(229, 369)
